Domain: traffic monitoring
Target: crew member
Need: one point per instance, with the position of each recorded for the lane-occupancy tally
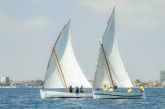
(104, 88)
(130, 90)
(111, 89)
(141, 88)
(81, 89)
(70, 89)
(77, 89)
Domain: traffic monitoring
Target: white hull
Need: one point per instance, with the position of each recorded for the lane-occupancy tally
(117, 95)
(57, 94)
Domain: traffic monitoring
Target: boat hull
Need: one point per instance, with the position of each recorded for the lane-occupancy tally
(57, 94)
(116, 95)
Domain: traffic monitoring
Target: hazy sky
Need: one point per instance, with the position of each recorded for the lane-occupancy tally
(28, 29)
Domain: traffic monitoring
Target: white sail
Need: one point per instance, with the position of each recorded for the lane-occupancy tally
(122, 79)
(67, 72)
(102, 76)
(118, 71)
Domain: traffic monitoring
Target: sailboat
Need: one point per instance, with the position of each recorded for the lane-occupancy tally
(110, 68)
(63, 70)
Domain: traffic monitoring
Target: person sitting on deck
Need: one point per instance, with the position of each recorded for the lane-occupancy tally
(104, 88)
(81, 89)
(70, 89)
(141, 88)
(77, 89)
(130, 90)
(111, 89)
(115, 87)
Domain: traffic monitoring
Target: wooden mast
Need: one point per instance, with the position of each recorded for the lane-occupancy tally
(107, 64)
(61, 72)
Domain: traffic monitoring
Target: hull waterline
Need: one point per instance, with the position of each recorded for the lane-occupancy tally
(57, 94)
(117, 95)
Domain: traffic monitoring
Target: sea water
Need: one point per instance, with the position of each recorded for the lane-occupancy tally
(29, 98)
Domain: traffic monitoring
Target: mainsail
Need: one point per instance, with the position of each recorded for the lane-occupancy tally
(117, 69)
(63, 69)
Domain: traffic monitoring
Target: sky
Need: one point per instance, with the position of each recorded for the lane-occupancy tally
(28, 29)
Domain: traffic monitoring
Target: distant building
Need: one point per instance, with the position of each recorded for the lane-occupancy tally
(162, 78)
(4, 80)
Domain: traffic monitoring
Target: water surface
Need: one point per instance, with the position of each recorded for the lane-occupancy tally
(28, 98)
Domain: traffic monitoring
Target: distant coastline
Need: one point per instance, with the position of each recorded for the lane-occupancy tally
(39, 84)
(22, 84)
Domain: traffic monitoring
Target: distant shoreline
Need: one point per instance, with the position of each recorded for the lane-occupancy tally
(10, 87)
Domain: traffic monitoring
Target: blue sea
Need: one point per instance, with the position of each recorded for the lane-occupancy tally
(29, 98)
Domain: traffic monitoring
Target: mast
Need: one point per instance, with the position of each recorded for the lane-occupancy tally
(61, 72)
(107, 64)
